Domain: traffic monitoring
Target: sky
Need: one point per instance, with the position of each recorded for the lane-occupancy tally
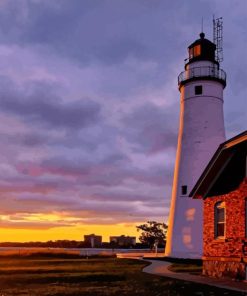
(89, 109)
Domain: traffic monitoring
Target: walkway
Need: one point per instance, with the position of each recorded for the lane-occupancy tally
(161, 268)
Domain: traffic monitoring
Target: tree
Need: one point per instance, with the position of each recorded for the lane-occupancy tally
(152, 232)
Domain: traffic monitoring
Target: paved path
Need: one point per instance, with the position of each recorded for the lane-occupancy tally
(139, 255)
(161, 268)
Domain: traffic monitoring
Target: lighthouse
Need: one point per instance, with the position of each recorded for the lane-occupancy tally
(201, 130)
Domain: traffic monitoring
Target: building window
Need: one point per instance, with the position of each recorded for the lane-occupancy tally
(184, 190)
(198, 90)
(220, 223)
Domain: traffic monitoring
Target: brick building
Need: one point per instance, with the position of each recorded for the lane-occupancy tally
(223, 188)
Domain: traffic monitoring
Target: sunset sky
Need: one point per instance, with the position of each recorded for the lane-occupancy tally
(89, 109)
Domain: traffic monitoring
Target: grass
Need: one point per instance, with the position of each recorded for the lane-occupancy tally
(191, 268)
(50, 252)
(35, 276)
(46, 252)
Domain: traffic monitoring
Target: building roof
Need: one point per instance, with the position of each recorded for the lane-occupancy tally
(225, 170)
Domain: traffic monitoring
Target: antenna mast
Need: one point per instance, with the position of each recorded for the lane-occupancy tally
(218, 38)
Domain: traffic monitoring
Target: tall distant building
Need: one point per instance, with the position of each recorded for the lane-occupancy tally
(93, 240)
(201, 130)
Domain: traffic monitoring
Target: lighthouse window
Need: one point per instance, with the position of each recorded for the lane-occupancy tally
(191, 53)
(197, 50)
(184, 189)
(198, 89)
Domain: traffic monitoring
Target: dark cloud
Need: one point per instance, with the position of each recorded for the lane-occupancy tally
(147, 200)
(149, 128)
(43, 106)
(33, 225)
(27, 140)
(106, 31)
(92, 174)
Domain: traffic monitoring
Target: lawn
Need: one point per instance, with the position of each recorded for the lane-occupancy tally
(188, 268)
(92, 277)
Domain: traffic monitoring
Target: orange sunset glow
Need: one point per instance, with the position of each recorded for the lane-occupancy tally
(61, 233)
(43, 227)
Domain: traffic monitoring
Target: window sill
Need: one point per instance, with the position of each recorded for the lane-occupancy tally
(219, 240)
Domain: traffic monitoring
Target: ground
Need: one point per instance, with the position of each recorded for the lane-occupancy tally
(92, 277)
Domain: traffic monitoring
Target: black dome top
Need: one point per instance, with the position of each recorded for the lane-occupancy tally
(202, 35)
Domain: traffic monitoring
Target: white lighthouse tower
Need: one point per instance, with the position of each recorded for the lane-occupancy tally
(201, 130)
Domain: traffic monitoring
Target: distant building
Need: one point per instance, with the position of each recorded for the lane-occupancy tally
(223, 189)
(123, 241)
(93, 240)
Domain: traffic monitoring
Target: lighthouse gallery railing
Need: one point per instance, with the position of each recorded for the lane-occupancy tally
(205, 71)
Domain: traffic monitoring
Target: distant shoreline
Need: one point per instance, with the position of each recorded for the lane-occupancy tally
(28, 251)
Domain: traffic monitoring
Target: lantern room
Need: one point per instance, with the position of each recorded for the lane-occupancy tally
(202, 50)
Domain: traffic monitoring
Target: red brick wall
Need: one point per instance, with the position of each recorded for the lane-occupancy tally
(232, 245)
(226, 269)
